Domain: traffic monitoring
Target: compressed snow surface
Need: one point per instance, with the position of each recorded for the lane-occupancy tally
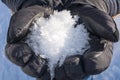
(56, 37)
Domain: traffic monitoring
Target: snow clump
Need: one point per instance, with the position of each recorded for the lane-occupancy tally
(56, 38)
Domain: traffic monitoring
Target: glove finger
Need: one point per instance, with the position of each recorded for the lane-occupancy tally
(73, 68)
(98, 57)
(22, 20)
(36, 66)
(19, 53)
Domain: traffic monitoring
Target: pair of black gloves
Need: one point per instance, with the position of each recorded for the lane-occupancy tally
(96, 59)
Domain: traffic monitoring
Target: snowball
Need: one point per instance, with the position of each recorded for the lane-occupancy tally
(56, 38)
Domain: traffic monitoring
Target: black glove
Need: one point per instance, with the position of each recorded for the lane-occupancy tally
(98, 57)
(103, 31)
(19, 28)
(17, 50)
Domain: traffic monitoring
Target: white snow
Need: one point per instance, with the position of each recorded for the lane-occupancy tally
(56, 37)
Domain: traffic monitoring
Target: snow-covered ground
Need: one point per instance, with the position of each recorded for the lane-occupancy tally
(9, 71)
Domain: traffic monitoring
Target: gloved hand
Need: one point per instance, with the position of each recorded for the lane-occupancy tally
(20, 53)
(103, 32)
(16, 49)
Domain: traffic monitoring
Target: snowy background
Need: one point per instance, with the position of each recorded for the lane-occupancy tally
(9, 71)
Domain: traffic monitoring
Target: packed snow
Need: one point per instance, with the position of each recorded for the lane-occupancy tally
(57, 37)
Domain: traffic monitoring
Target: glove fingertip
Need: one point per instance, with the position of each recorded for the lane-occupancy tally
(19, 53)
